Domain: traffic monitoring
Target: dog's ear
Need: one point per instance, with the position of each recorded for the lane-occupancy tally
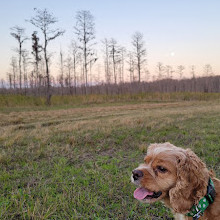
(191, 184)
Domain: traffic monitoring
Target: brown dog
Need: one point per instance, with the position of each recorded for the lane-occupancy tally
(181, 180)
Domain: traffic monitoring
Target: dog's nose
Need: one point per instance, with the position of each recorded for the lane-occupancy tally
(137, 174)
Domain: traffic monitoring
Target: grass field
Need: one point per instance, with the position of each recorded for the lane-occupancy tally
(75, 163)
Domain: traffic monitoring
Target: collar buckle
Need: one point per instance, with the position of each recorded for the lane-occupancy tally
(198, 214)
(198, 210)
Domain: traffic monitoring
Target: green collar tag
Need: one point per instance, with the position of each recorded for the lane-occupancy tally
(198, 210)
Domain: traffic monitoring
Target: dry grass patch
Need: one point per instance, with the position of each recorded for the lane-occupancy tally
(57, 163)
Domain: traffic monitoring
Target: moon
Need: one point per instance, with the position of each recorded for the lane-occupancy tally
(172, 54)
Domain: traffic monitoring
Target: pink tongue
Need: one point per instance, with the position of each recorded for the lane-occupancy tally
(141, 193)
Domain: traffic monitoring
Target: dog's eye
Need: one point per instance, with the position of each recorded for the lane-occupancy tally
(161, 169)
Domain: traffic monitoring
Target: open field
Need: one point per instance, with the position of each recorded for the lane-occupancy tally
(75, 163)
(10, 102)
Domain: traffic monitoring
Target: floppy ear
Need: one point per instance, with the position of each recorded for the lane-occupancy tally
(191, 184)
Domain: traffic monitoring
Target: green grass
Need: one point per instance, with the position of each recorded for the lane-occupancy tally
(75, 163)
(9, 102)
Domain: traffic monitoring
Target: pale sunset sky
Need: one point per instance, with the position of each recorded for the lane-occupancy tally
(176, 32)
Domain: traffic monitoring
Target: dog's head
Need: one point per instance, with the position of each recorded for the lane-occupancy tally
(171, 173)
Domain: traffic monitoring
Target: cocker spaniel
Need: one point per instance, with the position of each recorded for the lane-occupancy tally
(181, 180)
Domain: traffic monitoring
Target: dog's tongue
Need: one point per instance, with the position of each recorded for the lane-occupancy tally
(141, 193)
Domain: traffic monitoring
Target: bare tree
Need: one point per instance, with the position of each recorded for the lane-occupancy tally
(208, 70)
(172, 72)
(14, 68)
(106, 60)
(85, 31)
(25, 58)
(19, 34)
(92, 61)
(42, 71)
(168, 70)
(61, 76)
(122, 52)
(131, 66)
(192, 71)
(139, 51)
(2, 83)
(74, 61)
(193, 79)
(69, 67)
(43, 20)
(115, 56)
(81, 73)
(36, 50)
(160, 70)
(31, 80)
(9, 77)
(180, 69)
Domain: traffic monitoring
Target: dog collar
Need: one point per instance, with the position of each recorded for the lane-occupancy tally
(198, 210)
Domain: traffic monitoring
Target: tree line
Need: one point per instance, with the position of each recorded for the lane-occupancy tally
(116, 70)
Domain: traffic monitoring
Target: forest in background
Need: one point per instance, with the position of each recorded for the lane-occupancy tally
(84, 70)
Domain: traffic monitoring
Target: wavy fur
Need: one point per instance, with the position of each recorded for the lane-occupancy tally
(184, 183)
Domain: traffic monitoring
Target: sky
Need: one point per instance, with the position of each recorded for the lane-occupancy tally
(176, 32)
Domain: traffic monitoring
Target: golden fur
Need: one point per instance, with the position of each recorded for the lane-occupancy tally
(183, 183)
